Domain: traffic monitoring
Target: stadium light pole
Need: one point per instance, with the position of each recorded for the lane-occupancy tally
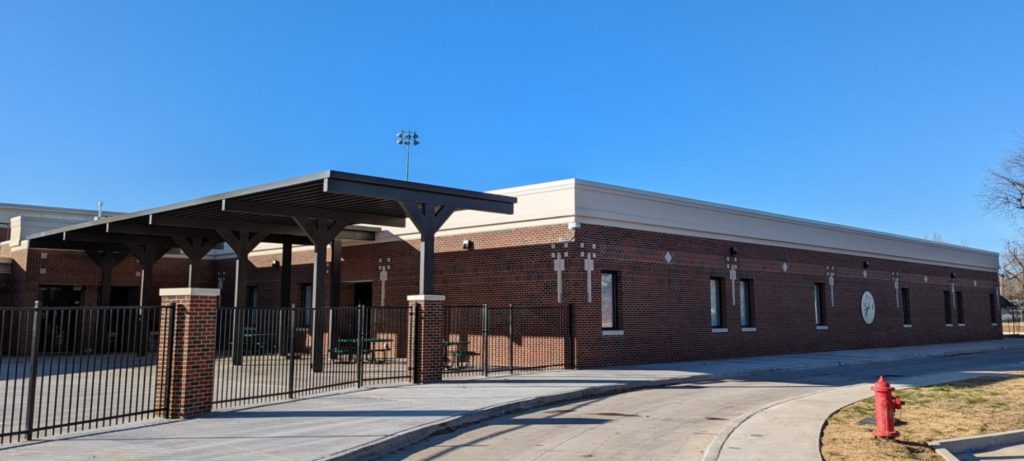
(409, 139)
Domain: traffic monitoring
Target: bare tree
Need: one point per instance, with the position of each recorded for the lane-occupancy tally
(1004, 190)
(1011, 274)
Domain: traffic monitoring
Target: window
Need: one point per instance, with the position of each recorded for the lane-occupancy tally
(993, 311)
(905, 302)
(609, 303)
(306, 319)
(716, 303)
(960, 307)
(746, 312)
(819, 304)
(252, 301)
(948, 306)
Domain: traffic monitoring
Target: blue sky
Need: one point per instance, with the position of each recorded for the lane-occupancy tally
(875, 114)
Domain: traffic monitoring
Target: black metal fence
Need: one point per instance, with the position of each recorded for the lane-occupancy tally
(66, 369)
(1013, 321)
(485, 340)
(277, 360)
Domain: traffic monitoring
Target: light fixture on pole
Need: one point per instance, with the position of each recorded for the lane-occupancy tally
(409, 139)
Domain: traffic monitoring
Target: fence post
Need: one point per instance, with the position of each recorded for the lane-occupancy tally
(571, 338)
(484, 356)
(169, 358)
(414, 350)
(194, 343)
(291, 353)
(30, 398)
(511, 342)
(430, 334)
(360, 332)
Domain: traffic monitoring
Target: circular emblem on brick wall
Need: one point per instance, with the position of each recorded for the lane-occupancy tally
(867, 307)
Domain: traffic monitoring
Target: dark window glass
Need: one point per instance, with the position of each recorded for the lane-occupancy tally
(819, 304)
(715, 298)
(948, 307)
(746, 304)
(960, 307)
(905, 304)
(609, 303)
(306, 291)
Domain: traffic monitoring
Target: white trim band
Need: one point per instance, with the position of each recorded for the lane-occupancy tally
(189, 291)
(424, 298)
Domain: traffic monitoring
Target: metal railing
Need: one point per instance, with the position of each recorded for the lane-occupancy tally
(276, 357)
(73, 368)
(485, 340)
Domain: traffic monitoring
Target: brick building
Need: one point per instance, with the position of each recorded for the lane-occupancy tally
(650, 277)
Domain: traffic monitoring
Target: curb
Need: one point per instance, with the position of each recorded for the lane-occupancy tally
(951, 447)
(378, 448)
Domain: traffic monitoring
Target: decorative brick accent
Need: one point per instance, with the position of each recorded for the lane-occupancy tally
(429, 337)
(194, 341)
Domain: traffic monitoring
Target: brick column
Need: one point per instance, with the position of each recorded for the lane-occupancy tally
(429, 348)
(195, 331)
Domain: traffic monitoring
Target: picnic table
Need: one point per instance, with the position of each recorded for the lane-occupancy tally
(256, 343)
(456, 354)
(371, 347)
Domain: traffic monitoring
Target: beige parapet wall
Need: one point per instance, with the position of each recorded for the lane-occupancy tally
(577, 202)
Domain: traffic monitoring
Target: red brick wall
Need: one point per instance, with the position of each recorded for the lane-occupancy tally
(663, 306)
(665, 313)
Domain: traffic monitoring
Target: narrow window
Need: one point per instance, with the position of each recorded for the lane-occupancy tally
(948, 307)
(819, 304)
(609, 303)
(716, 303)
(960, 307)
(254, 300)
(993, 312)
(306, 317)
(905, 302)
(746, 311)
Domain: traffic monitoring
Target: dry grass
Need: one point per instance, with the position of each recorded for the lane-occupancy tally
(946, 411)
(1013, 328)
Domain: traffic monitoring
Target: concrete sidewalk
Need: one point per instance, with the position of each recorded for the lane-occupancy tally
(371, 421)
(799, 421)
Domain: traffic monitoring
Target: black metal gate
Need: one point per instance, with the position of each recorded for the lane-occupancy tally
(485, 340)
(66, 369)
(362, 345)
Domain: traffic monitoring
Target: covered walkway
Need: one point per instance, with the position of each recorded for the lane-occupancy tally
(320, 210)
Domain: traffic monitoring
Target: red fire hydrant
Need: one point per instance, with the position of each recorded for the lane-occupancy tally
(885, 409)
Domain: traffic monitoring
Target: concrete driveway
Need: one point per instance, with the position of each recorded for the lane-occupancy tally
(768, 416)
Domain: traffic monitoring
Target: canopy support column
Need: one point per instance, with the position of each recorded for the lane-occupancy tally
(320, 232)
(286, 296)
(107, 260)
(242, 242)
(195, 248)
(427, 218)
(147, 254)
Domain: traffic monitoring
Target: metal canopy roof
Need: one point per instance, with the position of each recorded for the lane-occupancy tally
(274, 209)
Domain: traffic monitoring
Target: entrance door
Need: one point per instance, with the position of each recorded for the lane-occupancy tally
(119, 325)
(61, 326)
(362, 294)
